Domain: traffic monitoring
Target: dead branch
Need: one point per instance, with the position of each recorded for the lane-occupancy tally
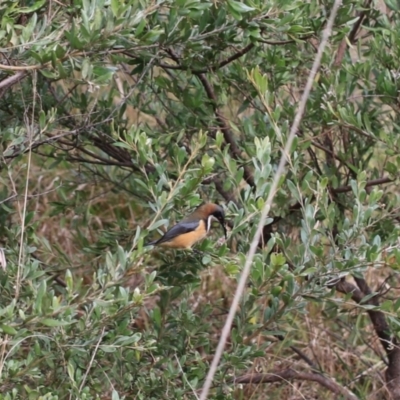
(290, 374)
(382, 330)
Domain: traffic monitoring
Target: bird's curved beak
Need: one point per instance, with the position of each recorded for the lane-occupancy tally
(222, 222)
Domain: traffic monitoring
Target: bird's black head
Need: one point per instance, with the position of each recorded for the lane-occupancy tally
(217, 212)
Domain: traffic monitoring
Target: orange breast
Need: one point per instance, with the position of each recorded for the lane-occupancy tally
(187, 240)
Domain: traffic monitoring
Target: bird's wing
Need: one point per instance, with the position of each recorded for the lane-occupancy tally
(178, 229)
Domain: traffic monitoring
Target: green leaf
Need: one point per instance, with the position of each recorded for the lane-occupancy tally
(277, 259)
(86, 69)
(115, 395)
(8, 330)
(115, 4)
(54, 322)
(239, 6)
(36, 6)
(42, 120)
(157, 224)
(60, 51)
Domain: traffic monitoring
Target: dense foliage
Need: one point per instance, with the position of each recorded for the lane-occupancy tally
(117, 118)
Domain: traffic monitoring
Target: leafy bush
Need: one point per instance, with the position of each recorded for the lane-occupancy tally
(117, 119)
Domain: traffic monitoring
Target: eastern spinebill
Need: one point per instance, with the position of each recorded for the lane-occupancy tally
(193, 228)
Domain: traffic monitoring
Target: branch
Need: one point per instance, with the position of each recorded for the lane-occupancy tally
(372, 182)
(48, 269)
(268, 229)
(329, 153)
(352, 36)
(21, 69)
(221, 64)
(378, 319)
(281, 42)
(346, 288)
(304, 357)
(275, 43)
(219, 186)
(382, 330)
(228, 135)
(122, 161)
(236, 55)
(98, 162)
(10, 81)
(290, 374)
(18, 151)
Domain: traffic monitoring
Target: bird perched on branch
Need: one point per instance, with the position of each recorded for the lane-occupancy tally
(193, 228)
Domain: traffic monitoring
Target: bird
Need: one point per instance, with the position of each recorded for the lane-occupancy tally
(193, 228)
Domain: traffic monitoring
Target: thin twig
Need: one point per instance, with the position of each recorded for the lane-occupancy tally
(3, 355)
(304, 357)
(30, 129)
(185, 377)
(92, 359)
(221, 64)
(254, 244)
(3, 260)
